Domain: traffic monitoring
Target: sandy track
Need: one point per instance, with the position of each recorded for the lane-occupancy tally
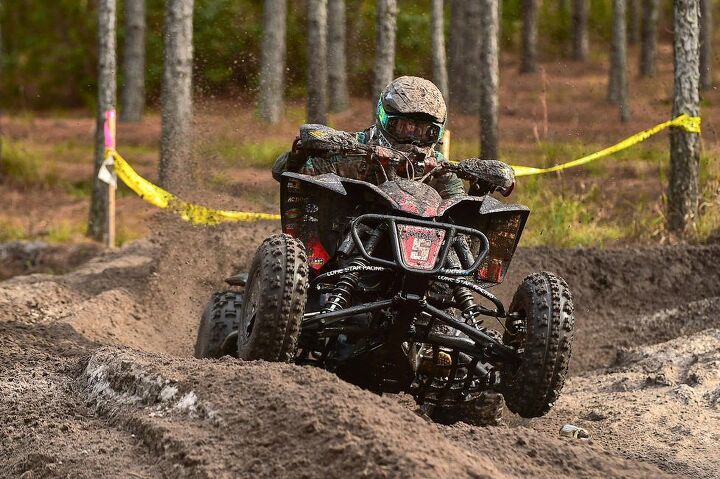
(96, 377)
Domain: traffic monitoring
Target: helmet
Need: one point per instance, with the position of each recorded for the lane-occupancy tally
(411, 110)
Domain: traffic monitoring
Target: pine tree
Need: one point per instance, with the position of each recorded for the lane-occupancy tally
(272, 61)
(528, 63)
(133, 90)
(177, 108)
(337, 61)
(317, 62)
(648, 37)
(683, 190)
(580, 30)
(706, 41)
(472, 75)
(617, 86)
(489, 66)
(633, 21)
(385, 31)
(440, 74)
(456, 54)
(107, 92)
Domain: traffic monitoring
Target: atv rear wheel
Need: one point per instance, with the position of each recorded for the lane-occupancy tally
(275, 296)
(486, 410)
(219, 319)
(542, 331)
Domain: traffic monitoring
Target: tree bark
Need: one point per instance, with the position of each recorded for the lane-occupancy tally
(489, 66)
(272, 61)
(633, 21)
(440, 74)
(107, 92)
(580, 30)
(385, 30)
(528, 63)
(456, 54)
(176, 167)
(685, 146)
(706, 38)
(133, 91)
(317, 62)
(337, 61)
(617, 86)
(472, 75)
(648, 37)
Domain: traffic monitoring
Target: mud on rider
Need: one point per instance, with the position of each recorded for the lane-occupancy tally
(410, 116)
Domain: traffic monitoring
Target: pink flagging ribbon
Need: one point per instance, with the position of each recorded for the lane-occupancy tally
(109, 129)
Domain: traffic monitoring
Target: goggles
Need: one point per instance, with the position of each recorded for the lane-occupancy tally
(408, 130)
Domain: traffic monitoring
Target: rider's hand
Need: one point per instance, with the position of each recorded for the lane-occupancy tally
(383, 154)
(430, 164)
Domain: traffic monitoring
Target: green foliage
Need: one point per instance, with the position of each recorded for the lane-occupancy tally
(11, 231)
(564, 219)
(18, 165)
(50, 48)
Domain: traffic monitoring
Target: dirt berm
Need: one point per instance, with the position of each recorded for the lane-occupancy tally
(97, 379)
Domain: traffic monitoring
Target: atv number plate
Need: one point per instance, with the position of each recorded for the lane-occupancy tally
(420, 246)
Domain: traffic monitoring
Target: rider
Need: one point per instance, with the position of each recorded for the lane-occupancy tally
(410, 116)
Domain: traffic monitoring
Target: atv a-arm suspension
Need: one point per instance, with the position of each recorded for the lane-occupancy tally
(480, 344)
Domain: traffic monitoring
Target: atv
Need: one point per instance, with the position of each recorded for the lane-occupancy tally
(388, 286)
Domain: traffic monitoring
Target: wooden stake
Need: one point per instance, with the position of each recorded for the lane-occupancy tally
(110, 121)
(445, 148)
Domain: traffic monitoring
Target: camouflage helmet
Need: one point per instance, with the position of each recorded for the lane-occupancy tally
(411, 110)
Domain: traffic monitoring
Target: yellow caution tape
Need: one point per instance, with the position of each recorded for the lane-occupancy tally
(684, 121)
(153, 194)
(203, 215)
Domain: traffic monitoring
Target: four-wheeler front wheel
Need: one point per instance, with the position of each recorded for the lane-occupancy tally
(274, 303)
(218, 321)
(540, 327)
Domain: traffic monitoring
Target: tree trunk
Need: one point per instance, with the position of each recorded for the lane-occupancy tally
(617, 87)
(272, 61)
(685, 146)
(317, 62)
(385, 29)
(706, 50)
(528, 63)
(580, 30)
(648, 37)
(456, 54)
(440, 74)
(633, 21)
(176, 136)
(337, 62)
(133, 91)
(489, 66)
(107, 92)
(473, 45)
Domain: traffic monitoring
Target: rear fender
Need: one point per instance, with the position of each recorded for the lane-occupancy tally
(502, 223)
(315, 210)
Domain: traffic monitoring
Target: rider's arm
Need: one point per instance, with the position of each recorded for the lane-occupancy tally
(448, 185)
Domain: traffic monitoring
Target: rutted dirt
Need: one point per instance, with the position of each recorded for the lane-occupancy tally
(97, 380)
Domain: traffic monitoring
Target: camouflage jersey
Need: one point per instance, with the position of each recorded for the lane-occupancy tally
(447, 185)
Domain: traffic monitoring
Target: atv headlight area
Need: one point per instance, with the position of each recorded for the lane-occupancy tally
(419, 246)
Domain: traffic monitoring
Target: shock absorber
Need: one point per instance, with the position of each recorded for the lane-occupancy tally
(466, 301)
(463, 295)
(342, 294)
